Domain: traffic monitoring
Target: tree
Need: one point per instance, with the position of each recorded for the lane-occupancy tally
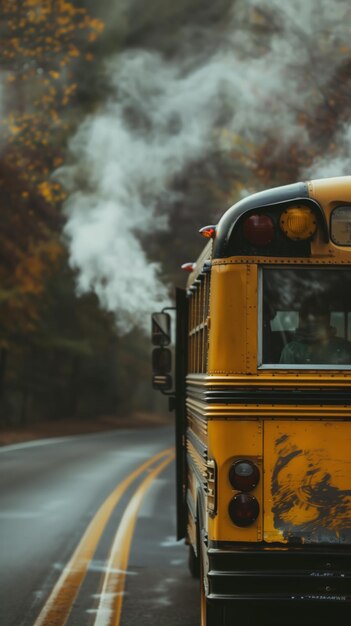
(45, 44)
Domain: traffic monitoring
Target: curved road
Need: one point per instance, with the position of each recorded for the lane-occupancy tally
(87, 533)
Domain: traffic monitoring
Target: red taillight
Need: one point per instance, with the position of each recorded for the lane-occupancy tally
(259, 230)
(244, 475)
(243, 509)
(188, 267)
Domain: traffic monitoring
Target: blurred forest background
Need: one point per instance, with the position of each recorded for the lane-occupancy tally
(62, 354)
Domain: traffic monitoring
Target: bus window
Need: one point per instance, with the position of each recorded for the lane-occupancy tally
(306, 318)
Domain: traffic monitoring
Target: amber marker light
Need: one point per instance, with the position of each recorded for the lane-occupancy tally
(298, 223)
(208, 231)
(188, 267)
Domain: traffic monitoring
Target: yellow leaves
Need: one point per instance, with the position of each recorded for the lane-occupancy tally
(57, 161)
(97, 25)
(45, 190)
(32, 3)
(51, 191)
(54, 116)
(67, 7)
(32, 16)
(63, 20)
(42, 41)
(34, 266)
(73, 52)
(68, 92)
(14, 129)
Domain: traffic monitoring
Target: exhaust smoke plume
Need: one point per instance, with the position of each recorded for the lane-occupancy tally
(165, 114)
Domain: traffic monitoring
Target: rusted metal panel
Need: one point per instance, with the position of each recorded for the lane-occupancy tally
(307, 485)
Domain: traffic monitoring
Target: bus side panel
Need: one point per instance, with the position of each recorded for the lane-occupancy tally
(181, 361)
(233, 344)
(307, 481)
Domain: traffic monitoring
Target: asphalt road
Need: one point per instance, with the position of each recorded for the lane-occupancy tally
(55, 495)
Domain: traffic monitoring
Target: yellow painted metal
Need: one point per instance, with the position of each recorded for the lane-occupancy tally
(233, 306)
(305, 447)
(274, 380)
(228, 442)
(307, 481)
(329, 191)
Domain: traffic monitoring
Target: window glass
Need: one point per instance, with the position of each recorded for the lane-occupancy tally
(341, 226)
(306, 317)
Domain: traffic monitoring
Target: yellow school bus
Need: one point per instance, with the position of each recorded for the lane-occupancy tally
(263, 406)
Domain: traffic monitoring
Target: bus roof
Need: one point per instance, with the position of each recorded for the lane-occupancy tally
(319, 194)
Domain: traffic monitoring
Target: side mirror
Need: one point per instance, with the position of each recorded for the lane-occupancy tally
(161, 329)
(161, 366)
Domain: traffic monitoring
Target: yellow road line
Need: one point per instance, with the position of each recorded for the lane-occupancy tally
(111, 600)
(58, 606)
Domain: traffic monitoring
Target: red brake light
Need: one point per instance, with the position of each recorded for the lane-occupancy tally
(244, 475)
(259, 230)
(243, 509)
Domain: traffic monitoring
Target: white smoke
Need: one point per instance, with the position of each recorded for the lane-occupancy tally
(165, 115)
(337, 163)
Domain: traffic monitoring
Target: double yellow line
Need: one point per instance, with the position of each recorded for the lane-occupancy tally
(58, 606)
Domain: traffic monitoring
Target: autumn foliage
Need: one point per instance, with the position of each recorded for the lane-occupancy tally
(45, 44)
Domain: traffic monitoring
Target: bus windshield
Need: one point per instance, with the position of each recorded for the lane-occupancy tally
(306, 317)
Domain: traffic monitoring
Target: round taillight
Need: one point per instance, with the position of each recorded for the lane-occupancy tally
(243, 509)
(259, 230)
(244, 475)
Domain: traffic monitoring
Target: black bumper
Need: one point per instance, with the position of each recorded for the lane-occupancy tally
(306, 575)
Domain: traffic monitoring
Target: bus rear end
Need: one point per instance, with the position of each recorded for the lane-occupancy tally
(267, 430)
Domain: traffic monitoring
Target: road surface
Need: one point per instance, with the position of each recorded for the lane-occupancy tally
(87, 533)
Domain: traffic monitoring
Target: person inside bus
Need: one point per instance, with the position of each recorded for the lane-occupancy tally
(315, 340)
